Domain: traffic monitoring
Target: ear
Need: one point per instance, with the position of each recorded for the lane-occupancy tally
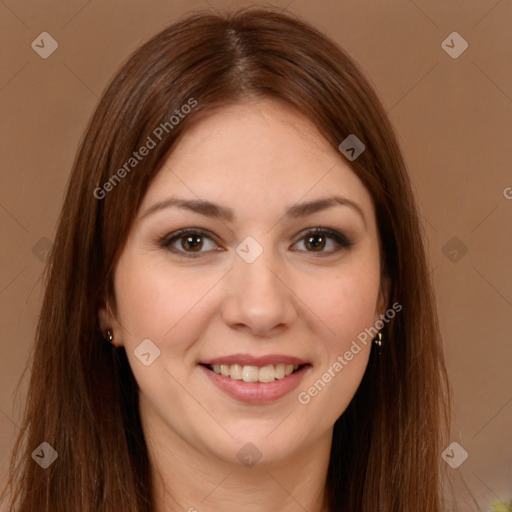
(106, 320)
(383, 299)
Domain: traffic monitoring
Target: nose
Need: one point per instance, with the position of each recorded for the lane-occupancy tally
(257, 299)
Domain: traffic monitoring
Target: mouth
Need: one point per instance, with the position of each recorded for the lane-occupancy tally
(252, 373)
(256, 381)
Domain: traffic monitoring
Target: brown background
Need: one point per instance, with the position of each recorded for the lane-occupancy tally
(453, 118)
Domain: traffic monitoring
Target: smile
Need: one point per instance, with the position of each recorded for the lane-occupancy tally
(253, 384)
(249, 373)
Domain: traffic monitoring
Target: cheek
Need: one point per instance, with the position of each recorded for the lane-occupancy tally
(157, 303)
(346, 305)
(142, 302)
(345, 301)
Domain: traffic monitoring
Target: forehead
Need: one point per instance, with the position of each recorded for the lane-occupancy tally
(253, 156)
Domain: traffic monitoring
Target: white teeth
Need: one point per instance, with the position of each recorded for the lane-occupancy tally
(267, 374)
(235, 371)
(279, 372)
(249, 373)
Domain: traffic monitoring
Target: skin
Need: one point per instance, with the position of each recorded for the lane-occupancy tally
(257, 157)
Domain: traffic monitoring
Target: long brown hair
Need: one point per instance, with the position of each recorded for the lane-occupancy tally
(82, 397)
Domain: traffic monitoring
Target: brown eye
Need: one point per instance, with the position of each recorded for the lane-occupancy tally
(318, 241)
(192, 242)
(315, 242)
(189, 242)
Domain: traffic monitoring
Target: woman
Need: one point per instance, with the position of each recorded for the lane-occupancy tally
(238, 311)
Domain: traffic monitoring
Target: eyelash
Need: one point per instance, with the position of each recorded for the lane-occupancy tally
(167, 241)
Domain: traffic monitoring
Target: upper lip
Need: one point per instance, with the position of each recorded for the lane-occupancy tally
(250, 360)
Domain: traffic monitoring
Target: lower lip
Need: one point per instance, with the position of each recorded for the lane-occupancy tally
(257, 392)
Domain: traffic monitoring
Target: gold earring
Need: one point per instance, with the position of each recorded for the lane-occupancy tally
(378, 342)
(110, 338)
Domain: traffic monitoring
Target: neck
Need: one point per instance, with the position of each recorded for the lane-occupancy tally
(191, 480)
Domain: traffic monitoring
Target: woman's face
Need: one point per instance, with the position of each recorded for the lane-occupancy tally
(253, 283)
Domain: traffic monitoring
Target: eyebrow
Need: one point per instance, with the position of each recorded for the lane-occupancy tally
(209, 209)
